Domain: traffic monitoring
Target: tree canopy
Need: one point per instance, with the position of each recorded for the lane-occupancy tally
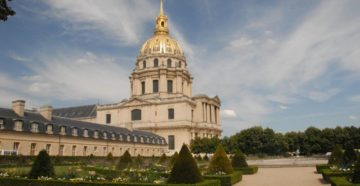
(5, 10)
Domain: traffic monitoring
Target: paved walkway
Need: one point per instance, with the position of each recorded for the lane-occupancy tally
(285, 176)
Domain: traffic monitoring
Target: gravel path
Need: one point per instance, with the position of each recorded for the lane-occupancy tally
(286, 176)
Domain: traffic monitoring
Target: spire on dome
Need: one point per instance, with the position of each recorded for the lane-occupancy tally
(161, 25)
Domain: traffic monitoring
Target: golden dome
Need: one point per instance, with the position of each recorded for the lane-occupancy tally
(161, 43)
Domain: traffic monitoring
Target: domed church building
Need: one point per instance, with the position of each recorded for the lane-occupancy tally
(160, 115)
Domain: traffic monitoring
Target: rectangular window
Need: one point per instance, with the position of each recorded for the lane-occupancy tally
(170, 86)
(108, 118)
(16, 146)
(32, 149)
(18, 125)
(155, 86)
(85, 151)
(171, 113)
(73, 150)
(48, 148)
(34, 128)
(171, 139)
(144, 64)
(61, 150)
(143, 87)
(2, 124)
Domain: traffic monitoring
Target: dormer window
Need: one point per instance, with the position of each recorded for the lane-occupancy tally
(135, 138)
(49, 129)
(105, 135)
(86, 133)
(34, 127)
(75, 132)
(113, 136)
(62, 130)
(141, 139)
(128, 138)
(2, 124)
(18, 125)
(96, 134)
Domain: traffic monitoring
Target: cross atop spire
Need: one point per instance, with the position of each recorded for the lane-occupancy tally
(161, 7)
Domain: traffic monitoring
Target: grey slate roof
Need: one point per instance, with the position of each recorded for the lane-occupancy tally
(9, 117)
(84, 111)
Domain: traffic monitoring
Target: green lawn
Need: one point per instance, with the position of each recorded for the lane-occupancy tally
(60, 171)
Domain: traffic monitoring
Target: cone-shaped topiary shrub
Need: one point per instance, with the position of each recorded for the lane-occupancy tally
(198, 157)
(349, 157)
(124, 161)
(109, 157)
(220, 162)
(162, 159)
(206, 157)
(336, 156)
(173, 158)
(185, 169)
(42, 166)
(139, 160)
(239, 160)
(356, 174)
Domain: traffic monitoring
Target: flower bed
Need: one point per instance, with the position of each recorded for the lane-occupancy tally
(341, 181)
(328, 173)
(248, 170)
(321, 167)
(38, 182)
(226, 180)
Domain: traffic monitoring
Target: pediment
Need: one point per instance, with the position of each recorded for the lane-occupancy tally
(135, 102)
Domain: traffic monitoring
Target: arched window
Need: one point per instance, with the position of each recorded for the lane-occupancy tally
(156, 62)
(75, 132)
(113, 137)
(86, 133)
(144, 64)
(49, 129)
(143, 87)
(169, 63)
(62, 130)
(18, 125)
(136, 114)
(105, 135)
(96, 134)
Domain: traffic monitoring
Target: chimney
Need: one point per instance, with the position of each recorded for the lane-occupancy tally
(46, 112)
(18, 107)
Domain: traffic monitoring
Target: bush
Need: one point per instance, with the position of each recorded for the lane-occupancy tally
(173, 158)
(206, 157)
(321, 167)
(42, 166)
(124, 161)
(198, 157)
(327, 173)
(226, 180)
(162, 159)
(336, 156)
(109, 157)
(239, 160)
(185, 169)
(248, 170)
(220, 162)
(139, 160)
(341, 181)
(356, 174)
(349, 157)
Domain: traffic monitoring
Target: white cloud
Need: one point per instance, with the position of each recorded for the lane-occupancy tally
(355, 98)
(322, 96)
(283, 107)
(19, 58)
(122, 20)
(352, 117)
(227, 113)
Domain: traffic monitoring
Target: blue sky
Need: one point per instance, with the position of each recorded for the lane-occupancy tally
(286, 65)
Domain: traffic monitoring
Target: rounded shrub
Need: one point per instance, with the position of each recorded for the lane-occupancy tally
(239, 160)
(356, 174)
(185, 169)
(220, 162)
(42, 166)
(336, 156)
(124, 161)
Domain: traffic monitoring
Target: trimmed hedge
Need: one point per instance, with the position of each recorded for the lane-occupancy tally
(327, 173)
(29, 182)
(226, 180)
(321, 167)
(341, 181)
(248, 170)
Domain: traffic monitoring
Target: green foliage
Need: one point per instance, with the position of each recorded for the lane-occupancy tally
(162, 159)
(173, 158)
(198, 157)
(5, 10)
(204, 145)
(226, 180)
(248, 170)
(328, 173)
(336, 156)
(349, 157)
(356, 174)
(206, 158)
(109, 157)
(124, 161)
(321, 167)
(185, 169)
(220, 162)
(27, 182)
(139, 160)
(239, 160)
(42, 166)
